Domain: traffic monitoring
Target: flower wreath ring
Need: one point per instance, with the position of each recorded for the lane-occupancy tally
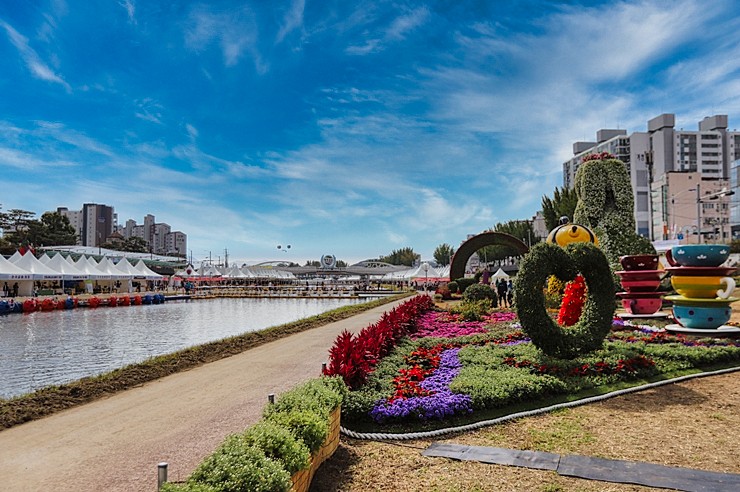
(588, 333)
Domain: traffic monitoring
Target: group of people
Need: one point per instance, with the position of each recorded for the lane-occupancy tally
(505, 291)
(10, 291)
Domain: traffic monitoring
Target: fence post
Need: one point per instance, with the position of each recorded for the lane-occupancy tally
(271, 398)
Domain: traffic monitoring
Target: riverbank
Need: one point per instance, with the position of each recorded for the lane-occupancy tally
(115, 443)
(52, 399)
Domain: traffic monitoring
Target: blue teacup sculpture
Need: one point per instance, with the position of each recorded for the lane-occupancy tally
(698, 255)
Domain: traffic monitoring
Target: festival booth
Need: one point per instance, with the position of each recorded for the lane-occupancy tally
(500, 274)
(71, 275)
(125, 267)
(89, 266)
(11, 273)
(39, 272)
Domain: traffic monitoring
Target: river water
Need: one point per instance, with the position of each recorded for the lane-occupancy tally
(49, 348)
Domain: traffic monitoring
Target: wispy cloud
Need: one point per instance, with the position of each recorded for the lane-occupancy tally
(130, 8)
(38, 68)
(293, 20)
(235, 31)
(394, 32)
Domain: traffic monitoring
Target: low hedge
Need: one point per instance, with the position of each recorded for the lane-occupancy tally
(264, 456)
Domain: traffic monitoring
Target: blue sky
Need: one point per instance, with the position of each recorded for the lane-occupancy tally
(346, 128)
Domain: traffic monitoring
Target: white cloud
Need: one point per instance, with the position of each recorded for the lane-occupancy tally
(235, 31)
(396, 31)
(293, 20)
(130, 8)
(34, 63)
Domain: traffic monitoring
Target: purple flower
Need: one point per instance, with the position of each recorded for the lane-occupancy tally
(440, 404)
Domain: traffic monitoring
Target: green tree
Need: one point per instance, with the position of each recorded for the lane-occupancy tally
(54, 230)
(563, 203)
(135, 244)
(443, 254)
(15, 224)
(403, 256)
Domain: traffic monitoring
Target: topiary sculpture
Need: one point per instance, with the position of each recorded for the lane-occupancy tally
(605, 204)
(588, 333)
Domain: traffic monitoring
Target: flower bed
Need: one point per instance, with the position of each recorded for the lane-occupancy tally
(450, 369)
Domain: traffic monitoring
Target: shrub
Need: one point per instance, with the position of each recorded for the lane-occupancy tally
(278, 443)
(307, 426)
(473, 310)
(464, 283)
(236, 467)
(478, 292)
(453, 287)
(444, 292)
(317, 395)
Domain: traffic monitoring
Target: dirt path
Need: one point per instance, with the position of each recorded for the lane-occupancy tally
(116, 443)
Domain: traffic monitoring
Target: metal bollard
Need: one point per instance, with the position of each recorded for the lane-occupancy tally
(323, 368)
(161, 474)
(271, 398)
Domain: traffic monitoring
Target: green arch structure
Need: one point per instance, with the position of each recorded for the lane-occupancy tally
(466, 249)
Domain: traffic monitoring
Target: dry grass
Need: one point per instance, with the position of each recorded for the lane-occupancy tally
(691, 424)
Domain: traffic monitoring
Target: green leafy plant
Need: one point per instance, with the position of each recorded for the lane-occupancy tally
(238, 466)
(278, 443)
(307, 426)
(478, 292)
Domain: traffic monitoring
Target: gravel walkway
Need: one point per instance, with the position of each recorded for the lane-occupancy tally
(116, 443)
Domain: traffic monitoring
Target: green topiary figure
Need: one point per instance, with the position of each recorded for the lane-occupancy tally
(605, 204)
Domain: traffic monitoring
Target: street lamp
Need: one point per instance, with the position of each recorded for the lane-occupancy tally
(425, 267)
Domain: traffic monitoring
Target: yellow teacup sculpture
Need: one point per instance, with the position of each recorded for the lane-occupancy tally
(703, 287)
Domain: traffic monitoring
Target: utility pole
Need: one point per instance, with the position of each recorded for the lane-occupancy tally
(226, 258)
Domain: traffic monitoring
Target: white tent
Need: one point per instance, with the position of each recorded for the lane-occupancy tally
(68, 271)
(106, 266)
(500, 274)
(38, 270)
(11, 271)
(148, 274)
(90, 268)
(234, 272)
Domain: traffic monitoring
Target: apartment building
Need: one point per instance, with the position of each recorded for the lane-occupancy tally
(93, 224)
(650, 156)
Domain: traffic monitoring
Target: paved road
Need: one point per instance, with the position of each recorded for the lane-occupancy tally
(116, 443)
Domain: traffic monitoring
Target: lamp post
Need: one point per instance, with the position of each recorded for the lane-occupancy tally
(425, 267)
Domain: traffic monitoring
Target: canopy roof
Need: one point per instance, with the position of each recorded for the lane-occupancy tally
(10, 271)
(38, 270)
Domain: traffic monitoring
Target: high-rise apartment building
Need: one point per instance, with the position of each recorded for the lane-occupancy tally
(159, 237)
(93, 224)
(651, 156)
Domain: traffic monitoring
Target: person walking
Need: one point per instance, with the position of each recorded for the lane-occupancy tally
(15, 289)
(502, 291)
(6, 289)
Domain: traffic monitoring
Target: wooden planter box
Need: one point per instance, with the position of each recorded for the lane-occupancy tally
(302, 479)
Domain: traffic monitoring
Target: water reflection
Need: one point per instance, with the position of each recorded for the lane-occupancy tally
(47, 348)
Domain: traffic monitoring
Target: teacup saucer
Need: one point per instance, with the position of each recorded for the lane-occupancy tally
(697, 301)
(687, 271)
(722, 331)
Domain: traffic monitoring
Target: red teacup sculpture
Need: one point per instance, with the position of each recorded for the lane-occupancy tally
(640, 280)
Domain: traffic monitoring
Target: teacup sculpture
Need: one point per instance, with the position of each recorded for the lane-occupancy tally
(640, 280)
(704, 287)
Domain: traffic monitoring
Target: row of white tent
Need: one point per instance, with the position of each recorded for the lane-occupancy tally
(234, 272)
(26, 269)
(421, 272)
